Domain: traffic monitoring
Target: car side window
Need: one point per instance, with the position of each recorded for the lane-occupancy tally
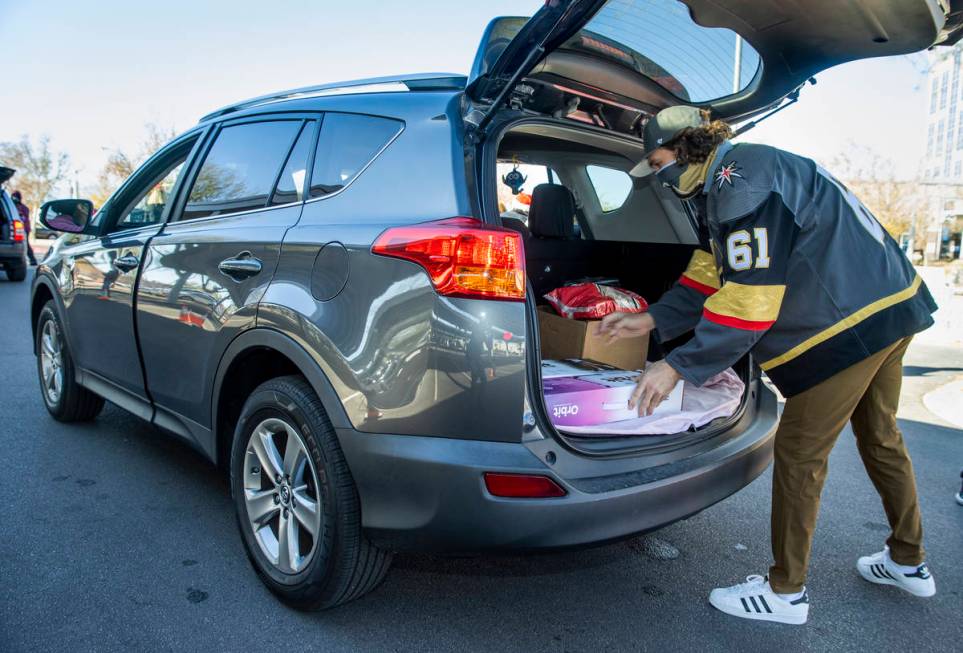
(240, 169)
(149, 209)
(612, 187)
(348, 143)
(290, 186)
(517, 205)
(149, 202)
(3, 207)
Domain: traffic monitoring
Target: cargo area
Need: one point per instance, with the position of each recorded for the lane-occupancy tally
(584, 219)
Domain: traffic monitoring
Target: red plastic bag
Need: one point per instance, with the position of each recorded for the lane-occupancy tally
(592, 301)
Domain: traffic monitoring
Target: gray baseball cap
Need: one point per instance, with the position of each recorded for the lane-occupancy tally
(662, 128)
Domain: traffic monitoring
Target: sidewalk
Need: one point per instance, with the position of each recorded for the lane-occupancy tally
(946, 400)
(948, 330)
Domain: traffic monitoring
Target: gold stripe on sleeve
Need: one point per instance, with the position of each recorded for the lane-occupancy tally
(745, 302)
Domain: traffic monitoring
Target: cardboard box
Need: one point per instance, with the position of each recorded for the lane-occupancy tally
(574, 367)
(599, 398)
(563, 338)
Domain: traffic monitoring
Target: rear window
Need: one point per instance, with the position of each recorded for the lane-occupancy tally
(659, 39)
(348, 143)
(612, 187)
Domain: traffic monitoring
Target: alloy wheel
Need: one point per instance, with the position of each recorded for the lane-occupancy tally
(51, 362)
(281, 495)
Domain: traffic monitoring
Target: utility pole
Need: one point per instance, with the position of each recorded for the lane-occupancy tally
(737, 66)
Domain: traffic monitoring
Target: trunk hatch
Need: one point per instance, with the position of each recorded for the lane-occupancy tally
(610, 63)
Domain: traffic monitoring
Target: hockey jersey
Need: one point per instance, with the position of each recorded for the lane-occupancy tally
(797, 270)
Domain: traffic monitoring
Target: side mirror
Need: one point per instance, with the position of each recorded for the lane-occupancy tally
(70, 216)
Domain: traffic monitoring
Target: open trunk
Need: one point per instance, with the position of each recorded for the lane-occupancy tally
(612, 63)
(626, 231)
(563, 97)
(6, 209)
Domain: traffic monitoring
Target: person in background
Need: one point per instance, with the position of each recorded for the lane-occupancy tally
(24, 212)
(793, 268)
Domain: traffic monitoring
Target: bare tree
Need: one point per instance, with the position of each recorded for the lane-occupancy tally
(39, 168)
(120, 165)
(896, 203)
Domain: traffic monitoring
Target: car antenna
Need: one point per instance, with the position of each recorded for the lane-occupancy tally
(792, 97)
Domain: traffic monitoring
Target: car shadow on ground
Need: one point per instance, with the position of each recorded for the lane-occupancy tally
(916, 370)
(644, 593)
(160, 449)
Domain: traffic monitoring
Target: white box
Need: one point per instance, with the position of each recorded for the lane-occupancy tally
(599, 398)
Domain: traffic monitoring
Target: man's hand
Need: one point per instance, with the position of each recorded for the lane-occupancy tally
(653, 387)
(625, 325)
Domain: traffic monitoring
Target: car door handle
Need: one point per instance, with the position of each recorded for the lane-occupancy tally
(126, 263)
(244, 265)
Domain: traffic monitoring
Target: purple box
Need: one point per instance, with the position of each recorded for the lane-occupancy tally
(598, 398)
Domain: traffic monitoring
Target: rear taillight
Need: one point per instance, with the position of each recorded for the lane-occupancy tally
(464, 257)
(522, 486)
(18, 233)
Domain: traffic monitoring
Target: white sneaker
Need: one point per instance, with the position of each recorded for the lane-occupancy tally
(879, 568)
(756, 600)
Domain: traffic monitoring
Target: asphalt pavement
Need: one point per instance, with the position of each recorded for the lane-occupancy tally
(114, 536)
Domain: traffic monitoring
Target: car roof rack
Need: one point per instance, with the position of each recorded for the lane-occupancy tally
(395, 83)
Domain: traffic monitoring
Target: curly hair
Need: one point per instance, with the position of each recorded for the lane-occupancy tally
(694, 144)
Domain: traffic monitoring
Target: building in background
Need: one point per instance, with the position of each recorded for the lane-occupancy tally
(942, 167)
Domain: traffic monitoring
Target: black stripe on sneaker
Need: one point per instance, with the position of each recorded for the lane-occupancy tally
(875, 570)
(762, 600)
(887, 574)
(745, 605)
(754, 604)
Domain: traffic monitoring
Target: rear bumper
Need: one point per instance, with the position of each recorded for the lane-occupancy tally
(13, 253)
(427, 494)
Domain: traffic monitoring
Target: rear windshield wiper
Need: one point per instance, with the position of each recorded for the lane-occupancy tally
(792, 99)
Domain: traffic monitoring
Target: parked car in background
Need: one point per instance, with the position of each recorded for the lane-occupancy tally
(308, 286)
(40, 231)
(13, 236)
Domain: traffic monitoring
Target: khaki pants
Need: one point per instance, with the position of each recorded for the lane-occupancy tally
(867, 394)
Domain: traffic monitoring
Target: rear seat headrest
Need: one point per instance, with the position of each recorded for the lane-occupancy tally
(552, 212)
(517, 225)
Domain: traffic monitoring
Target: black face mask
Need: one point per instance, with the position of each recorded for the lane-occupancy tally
(670, 175)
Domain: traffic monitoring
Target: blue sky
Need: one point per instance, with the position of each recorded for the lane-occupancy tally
(90, 75)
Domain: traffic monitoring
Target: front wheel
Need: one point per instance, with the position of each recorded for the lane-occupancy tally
(297, 506)
(66, 400)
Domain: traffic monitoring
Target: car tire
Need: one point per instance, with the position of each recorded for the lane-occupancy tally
(283, 425)
(17, 273)
(66, 400)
